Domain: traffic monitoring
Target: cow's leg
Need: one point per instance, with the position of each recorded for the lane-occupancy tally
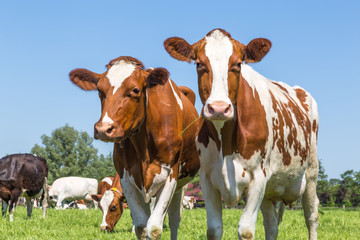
(310, 201)
(45, 197)
(29, 206)
(163, 199)
(140, 210)
(254, 197)
(270, 219)
(4, 208)
(174, 212)
(213, 207)
(13, 200)
(59, 203)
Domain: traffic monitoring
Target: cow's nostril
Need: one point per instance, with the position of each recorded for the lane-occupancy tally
(110, 129)
(210, 109)
(227, 109)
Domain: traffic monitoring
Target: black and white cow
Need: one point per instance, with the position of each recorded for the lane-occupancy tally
(22, 175)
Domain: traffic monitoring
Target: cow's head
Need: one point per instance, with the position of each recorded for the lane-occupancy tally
(111, 204)
(218, 58)
(122, 91)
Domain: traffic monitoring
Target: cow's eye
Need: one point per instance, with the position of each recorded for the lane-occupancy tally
(113, 208)
(198, 64)
(136, 90)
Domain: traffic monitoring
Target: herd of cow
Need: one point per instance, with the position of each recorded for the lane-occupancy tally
(255, 139)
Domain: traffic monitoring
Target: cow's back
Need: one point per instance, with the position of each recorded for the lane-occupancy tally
(26, 171)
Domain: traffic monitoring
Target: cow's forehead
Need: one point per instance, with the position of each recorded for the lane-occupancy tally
(218, 47)
(107, 198)
(118, 72)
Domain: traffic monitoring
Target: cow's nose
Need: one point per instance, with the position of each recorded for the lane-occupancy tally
(103, 228)
(103, 130)
(219, 111)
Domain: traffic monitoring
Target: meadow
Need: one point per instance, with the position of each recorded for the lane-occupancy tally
(84, 224)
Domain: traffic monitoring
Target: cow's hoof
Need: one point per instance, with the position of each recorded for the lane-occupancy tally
(246, 234)
(155, 233)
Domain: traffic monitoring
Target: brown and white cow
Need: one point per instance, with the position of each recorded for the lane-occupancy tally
(153, 124)
(105, 184)
(111, 202)
(258, 139)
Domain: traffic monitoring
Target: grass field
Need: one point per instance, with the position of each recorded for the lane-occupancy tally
(84, 224)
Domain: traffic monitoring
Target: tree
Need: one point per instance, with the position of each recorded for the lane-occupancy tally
(323, 186)
(70, 153)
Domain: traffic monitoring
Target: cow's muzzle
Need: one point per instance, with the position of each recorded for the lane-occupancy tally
(107, 132)
(218, 110)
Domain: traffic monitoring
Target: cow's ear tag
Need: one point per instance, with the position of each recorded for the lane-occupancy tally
(114, 189)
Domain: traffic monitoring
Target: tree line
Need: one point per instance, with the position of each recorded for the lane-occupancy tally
(71, 153)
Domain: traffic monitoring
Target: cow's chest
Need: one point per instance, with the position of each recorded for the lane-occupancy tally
(227, 174)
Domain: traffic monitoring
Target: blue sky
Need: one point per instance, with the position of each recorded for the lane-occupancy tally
(315, 45)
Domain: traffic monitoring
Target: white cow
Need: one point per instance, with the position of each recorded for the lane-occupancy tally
(73, 188)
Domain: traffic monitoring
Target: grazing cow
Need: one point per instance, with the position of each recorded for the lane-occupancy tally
(188, 202)
(22, 175)
(72, 188)
(258, 139)
(111, 203)
(105, 184)
(153, 124)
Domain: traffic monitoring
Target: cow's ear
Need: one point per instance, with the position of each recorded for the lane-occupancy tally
(179, 49)
(96, 197)
(158, 76)
(84, 79)
(256, 50)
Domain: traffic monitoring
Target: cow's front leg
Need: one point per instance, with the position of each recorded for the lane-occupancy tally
(4, 208)
(140, 210)
(163, 199)
(175, 211)
(213, 207)
(29, 206)
(254, 197)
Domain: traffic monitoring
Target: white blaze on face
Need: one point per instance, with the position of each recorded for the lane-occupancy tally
(176, 96)
(107, 119)
(218, 49)
(105, 202)
(119, 72)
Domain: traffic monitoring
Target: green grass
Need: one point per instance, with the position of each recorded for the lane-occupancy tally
(84, 224)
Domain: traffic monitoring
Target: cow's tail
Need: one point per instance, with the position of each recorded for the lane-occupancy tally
(280, 212)
(45, 197)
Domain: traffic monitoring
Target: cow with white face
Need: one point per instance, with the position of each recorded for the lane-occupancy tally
(111, 202)
(153, 124)
(258, 139)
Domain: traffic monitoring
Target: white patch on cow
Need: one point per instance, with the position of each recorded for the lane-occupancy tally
(105, 202)
(158, 181)
(107, 119)
(107, 180)
(218, 49)
(176, 96)
(119, 72)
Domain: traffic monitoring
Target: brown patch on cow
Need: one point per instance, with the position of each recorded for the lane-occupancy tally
(156, 77)
(126, 59)
(264, 172)
(243, 174)
(262, 164)
(280, 86)
(208, 131)
(301, 95)
(285, 113)
(252, 135)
